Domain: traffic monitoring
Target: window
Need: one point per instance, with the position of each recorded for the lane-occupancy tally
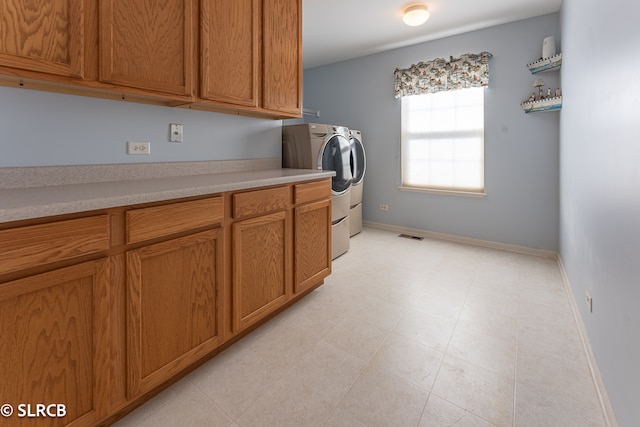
(443, 141)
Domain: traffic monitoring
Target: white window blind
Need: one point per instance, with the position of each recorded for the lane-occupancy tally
(443, 140)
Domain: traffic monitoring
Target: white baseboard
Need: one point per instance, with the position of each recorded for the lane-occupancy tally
(461, 239)
(603, 397)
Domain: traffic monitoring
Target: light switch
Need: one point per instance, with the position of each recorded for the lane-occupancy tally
(175, 133)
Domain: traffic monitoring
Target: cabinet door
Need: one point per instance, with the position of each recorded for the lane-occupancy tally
(261, 251)
(147, 44)
(312, 244)
(282, 56)
(45, 36)
(230, 46)
(173, 312)
(54, 346)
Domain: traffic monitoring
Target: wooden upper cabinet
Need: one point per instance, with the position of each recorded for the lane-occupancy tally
(148, 44)
(282, 56)
(230, 39)
(44, 36)
(251, 55)
(239, 56)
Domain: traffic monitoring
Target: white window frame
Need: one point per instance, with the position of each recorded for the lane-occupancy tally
(440, 133)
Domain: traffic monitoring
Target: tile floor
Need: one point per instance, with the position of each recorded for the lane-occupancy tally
(403, 333)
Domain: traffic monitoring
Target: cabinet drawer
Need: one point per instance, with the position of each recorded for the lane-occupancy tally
(149, 223)
(41, 244)
(312, 191)
(260, 201)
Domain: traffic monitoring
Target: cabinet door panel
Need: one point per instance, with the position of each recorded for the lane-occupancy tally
(282, 56)
(312, 244)
(260, 279)
(230, 48)
(173, 308)
(48, 36)
(147, 44)
(54, 346)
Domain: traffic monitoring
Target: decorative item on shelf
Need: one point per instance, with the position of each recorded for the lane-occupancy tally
(547, 104)
(548, 47)
(544, 65)
(550, 61)
(539, 102)
(539, 83)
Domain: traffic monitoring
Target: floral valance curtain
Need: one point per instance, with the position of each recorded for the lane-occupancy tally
(468, 70)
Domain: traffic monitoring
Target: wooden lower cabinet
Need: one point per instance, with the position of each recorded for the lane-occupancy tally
(54, 346)
(312, 244)
(261, 275)
(173, 308)
(136, 296)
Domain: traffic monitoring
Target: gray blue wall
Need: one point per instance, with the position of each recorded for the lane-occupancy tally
(46, 129)
(521, 150)
(600, 186)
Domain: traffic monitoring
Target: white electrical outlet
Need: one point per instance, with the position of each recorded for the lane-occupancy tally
(384, 207)
(175, 132)
(138, 147)
(589, 302)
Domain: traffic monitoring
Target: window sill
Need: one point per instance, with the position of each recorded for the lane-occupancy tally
(445, 192)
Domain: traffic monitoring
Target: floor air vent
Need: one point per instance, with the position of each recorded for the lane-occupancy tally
(408, 236)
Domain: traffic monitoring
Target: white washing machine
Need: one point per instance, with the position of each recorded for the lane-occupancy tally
(324, 147)
(358, 169)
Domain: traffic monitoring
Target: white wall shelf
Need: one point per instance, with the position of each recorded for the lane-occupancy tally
(550, 103)
(547, 104)
(546, 65)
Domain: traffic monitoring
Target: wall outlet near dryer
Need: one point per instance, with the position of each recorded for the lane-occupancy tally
(139, 147)
(589, 302)
(384, 207)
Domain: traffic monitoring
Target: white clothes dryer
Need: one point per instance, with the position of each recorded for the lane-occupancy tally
(324, 147)
(358, 164)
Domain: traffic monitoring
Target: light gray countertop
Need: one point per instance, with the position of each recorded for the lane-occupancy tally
(36, 202)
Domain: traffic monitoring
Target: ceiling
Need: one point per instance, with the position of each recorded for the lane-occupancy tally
(336, 30)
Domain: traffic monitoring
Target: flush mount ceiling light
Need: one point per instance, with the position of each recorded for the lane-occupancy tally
(415, 14)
